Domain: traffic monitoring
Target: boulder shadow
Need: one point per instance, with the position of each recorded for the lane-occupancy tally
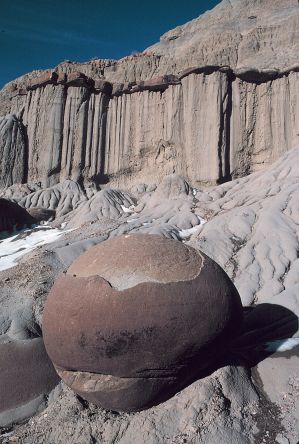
(266, 329)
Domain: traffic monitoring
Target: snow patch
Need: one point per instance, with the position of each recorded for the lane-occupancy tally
(14, 247)
(129, 209)
(282, 345)
(185, 234)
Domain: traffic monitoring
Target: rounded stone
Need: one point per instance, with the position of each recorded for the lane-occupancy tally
(13, 216)
(138, 317)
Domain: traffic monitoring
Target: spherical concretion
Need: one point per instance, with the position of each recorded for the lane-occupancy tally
(136, 317)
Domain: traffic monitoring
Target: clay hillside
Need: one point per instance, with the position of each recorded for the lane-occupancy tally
(140, 180)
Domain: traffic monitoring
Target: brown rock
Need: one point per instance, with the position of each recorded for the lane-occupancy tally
(209, 69)
(103, 86)
(117, 89)
(13, 216)
(20, 92)
(44, 79)
(159, 83)
(62, 78)
(128, 86)
(144, 316)
(13, 147)
(26, 374)
(78, 79)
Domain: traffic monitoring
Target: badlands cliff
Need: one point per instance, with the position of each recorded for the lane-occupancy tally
(142, 145)
(216, 99)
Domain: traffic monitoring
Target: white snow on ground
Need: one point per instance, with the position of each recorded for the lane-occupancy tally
(282, 345)
(185, 234)
(14, 247)
(128, 210)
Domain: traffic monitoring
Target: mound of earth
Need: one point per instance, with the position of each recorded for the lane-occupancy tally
(249, 395)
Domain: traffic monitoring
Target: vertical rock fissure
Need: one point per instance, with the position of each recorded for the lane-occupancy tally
(228, 117)
(225, 111)
(224, 125)
(26, 154)
(59, 161)
(103, 133)
(83, 147)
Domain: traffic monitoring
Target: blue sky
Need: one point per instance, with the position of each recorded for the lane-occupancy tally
(39, 34)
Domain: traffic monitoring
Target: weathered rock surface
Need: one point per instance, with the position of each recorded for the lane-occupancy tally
(61, 198)
(242, 34)
(216, 98)
(154, 314)
(27, 376)
(17, 191)
(253, 233)
(106, 204)
(13, 151)
(168, 210)
(250, 397)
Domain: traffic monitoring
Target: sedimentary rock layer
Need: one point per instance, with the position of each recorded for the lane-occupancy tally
(216, 98)
(13, 151)
(207, 126)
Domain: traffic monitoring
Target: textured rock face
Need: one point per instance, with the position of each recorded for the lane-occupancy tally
(107, 204)
(238, 33)
(155, 313)
(13, 151)
(257, 217)
(216, 98)
(252, 231)
(61, 198)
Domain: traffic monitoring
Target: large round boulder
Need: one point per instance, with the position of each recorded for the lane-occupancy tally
(136, 318)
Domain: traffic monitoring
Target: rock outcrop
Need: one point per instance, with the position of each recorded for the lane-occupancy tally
(105, 204)
(13, 151)
(154, 315)
(27, 376)
(253, 233)
(13, 216)
(216, 99)
(251, 395)
(61, 198)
